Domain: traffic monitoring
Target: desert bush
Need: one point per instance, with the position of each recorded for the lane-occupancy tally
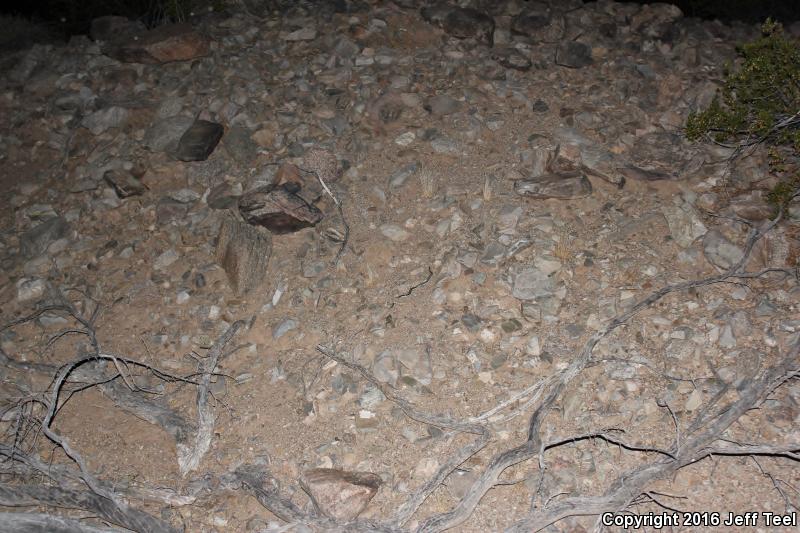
(759, 103)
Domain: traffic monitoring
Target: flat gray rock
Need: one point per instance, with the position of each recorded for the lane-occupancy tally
(573, 54)
(163, 136)
(560, 186)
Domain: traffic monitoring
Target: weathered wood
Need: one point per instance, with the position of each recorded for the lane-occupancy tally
(243, 252)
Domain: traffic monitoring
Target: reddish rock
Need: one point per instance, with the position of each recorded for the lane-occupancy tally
(338, 494)
(278, 209)
(172, 42)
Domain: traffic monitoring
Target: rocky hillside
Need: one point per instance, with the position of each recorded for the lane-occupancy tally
(384, 266)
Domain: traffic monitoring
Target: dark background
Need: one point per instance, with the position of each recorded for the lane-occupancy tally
(68, 17)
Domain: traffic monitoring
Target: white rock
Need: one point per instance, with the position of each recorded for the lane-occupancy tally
(30, 289)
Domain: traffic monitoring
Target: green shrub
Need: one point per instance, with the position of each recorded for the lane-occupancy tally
(760, 103)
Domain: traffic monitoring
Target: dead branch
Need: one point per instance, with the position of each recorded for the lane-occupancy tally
(189, 457)
(123, 515)
(38, 522)
(694, 448)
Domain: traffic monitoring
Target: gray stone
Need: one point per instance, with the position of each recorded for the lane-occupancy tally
(36, 240)
(464, 23)
(561, 186)
(471, 322)
(592, 157)
(303, 34)
(240, 146)
(124, 183)
(384, 368)
(417, 363)
(394, 232)
(224, 196)
(184, 196)
(166, 259)
(684, 223)
(30, 289)
(169, 211)
(511, 58)
(105, 119)
(573, 54)
(400, 176)
(719, 251)
(164, 135)
(284, 327)
(531, 284)
(442, 104)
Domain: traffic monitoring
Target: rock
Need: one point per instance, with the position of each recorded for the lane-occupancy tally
(240, 146)
(124, 183)
(224, 196)
(442, 104)
(592, 157)
(105, 119)
(169, 210)
(36, 240)
(384, 368)
(662, 155)
(531, 284)
(719, 251)
(30, 289)
(399, 177)
(394, 233)
(197, 143)
(562, 186)
(163, 44)
(303, 34)
(417, 363)
(511, 58)
(573, 54)
(684, 223)
(537, 24)
(462, 23)
(243, 251)
(278, 209)
(283, 328)
(164, 135)
(166, 259)
(339, 494)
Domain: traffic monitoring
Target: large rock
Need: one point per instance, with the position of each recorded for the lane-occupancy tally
(197, 143)
(164, 44)
(278, 209)
(164, 135)
(461, 22)
(573, 54)
(339, 494)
